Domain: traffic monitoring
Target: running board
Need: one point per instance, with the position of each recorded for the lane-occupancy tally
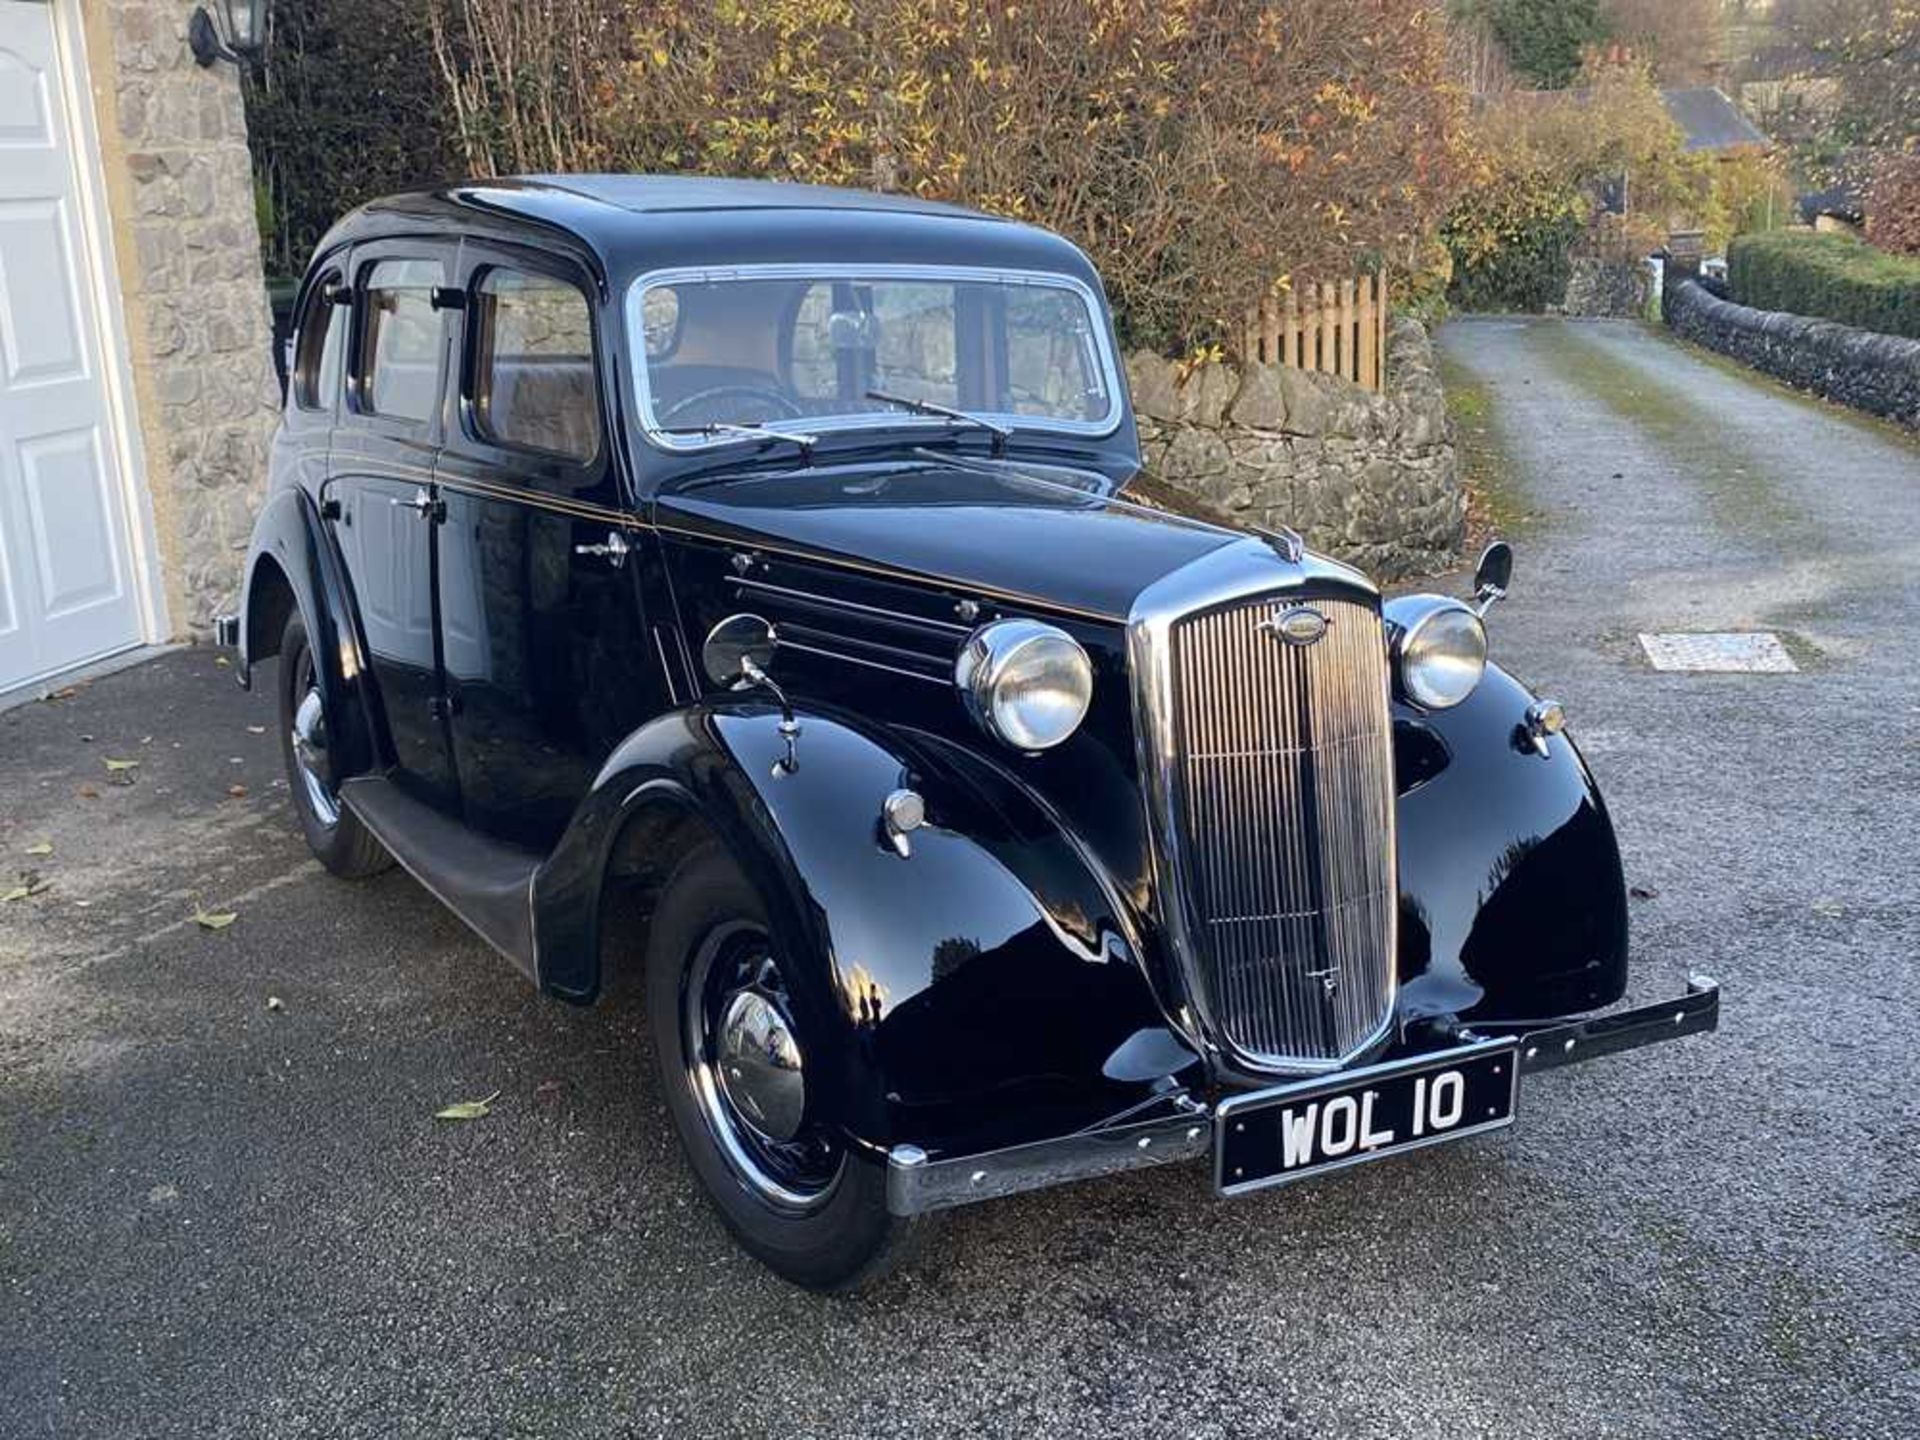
(488, 884)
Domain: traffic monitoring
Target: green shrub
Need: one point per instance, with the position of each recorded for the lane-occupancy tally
(1834, 277)
(1544, 39)
(1511, 242)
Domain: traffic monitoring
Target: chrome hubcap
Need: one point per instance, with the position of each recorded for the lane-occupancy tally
(760, 1067)
(748, 1072)
(310, 749)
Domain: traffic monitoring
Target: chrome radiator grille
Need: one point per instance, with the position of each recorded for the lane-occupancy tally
(1282, 789)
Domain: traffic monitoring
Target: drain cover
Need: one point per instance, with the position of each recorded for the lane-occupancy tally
(1756, 650)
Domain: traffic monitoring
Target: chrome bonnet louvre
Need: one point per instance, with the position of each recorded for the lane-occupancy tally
(1271, 798)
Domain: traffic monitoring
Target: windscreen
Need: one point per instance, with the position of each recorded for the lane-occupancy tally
(806, 349)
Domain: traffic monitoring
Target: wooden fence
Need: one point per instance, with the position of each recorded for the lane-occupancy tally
(1341, 329)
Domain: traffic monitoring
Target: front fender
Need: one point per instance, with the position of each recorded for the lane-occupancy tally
(985, 990)
(292, 558)
(1512, 903)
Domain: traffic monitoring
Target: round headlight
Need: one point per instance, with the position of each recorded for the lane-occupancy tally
(1442, 651)
(1025, 683)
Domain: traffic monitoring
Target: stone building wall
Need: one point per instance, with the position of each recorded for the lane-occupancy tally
(179, 184)
(1876, 373)
(1367, 478)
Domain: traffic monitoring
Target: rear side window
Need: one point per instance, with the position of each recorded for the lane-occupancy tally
(400, 353)
(323, 336)
(534, 386)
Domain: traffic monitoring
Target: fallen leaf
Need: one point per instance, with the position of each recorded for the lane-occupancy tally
(221, 660)
(116, 766)
(236, 791)
(146, 739)
(1643, 892)
(34, 887)
(18, 892)
(43, 847)
(214, 919)
(273, 1003)
(88, 792)
(256, 729)
(64, 694)
(467, 1109)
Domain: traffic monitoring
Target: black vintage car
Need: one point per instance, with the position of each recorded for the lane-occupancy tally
(736, 586)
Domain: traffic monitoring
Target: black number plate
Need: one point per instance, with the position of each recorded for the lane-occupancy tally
(1269, 1137)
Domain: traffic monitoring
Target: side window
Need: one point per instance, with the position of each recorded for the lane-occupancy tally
(400, 349)
(533, 380)
(323, 336)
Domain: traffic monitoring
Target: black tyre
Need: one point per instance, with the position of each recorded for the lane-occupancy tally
(334, 833)
(732, 1065)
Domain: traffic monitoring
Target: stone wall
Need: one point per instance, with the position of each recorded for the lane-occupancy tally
(180, 191)
(1876, 373)
(1615, 289)
(1369, 479)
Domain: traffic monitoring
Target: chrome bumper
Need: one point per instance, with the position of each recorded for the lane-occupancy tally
(917, 1183)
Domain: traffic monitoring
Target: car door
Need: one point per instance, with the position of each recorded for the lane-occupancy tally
(542, 626)
(384, 508)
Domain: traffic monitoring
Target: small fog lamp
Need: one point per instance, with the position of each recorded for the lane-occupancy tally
(1544, 718)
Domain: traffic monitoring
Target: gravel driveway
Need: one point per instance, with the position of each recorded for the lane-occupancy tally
(219, 1218)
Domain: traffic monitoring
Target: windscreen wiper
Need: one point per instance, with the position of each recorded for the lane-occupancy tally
(715, 428)
(1001, 433)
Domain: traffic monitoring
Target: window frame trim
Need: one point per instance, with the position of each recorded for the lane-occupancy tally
(357, 377)
(474, 269)
(314, 300)
(1101, 335)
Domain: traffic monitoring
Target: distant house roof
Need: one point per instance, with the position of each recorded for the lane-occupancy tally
(1710, 121)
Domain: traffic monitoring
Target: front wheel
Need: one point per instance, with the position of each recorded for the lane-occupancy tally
(734, 1067)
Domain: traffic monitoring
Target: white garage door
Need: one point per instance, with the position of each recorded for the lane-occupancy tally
(67, 589)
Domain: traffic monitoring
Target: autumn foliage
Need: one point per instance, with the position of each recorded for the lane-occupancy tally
(1202, 151)
(1893, 204)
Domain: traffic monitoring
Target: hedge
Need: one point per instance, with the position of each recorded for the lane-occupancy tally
(1831, 277)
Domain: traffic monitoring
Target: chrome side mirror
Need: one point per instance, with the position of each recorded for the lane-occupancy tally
(1492, 575)
(736, 654)
(738, 651)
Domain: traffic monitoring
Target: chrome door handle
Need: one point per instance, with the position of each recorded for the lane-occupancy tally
(421, 502)
(614, 548)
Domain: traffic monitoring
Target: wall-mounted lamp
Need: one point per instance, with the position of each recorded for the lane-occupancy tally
(236, 34)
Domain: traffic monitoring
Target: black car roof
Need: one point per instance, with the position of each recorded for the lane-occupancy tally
(629, 224)
(653, 194)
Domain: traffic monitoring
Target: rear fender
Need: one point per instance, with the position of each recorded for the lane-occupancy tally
(1512, 903)
(984, 990)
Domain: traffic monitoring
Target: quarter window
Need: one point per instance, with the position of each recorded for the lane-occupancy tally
(316, 361)
(534, 386)
(400, 355)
